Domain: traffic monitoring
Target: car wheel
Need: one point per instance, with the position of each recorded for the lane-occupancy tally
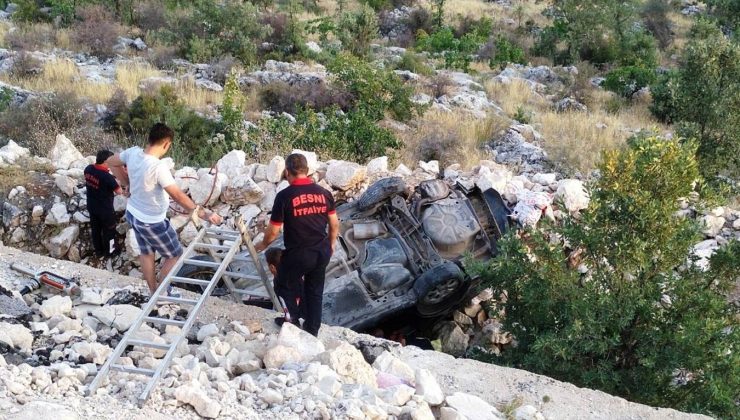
(439, 289)
(200, 273)
(380, 191)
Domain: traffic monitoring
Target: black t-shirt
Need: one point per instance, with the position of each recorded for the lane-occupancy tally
(303, 209)
(101, 186)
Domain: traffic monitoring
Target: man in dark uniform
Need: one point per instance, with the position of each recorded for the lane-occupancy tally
(304, 210)
(101, 186)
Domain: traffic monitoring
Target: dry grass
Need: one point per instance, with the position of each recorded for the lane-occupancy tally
(450, 137)
(64, 76)
(4, 28)
(574, 138)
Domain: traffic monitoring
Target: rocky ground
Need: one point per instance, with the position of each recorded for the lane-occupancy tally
(238, 365)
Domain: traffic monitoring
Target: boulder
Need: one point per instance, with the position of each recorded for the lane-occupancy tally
(403, 170)
(206, 331)
(388, 363)
(56, 305)
(448, 413)
(280, 355)
(545, 179)
(120, 317)
(311, 158)
(348, 362)
(573, 195)
(377, 166)
(454, 340)
(527, 412)
(57, 215)
(185, 177)
(207, 189)
(344, 175)
(208, 85)
(242, 190)
(16, 335)
(64, 152)
(428, 388)
(274, 169)
(11, 152)
(59, 245)
(38, 211)
(268, 188)
(271, 396)
(496, 178)
(570, 105)
(92, 352)
(35, 410)
(397, 395)
(473, 407)
(431, 167)
(12, 215)
(195, 396)
(530, 206)
(132, 246)
(712, 224)
(308, 345)
(232, 164)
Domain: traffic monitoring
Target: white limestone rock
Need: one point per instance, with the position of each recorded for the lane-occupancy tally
(59, 245)
(56, 305)
(232, 164)
(92, 352)
(66, 184)
(63, 153)
(16, 335)
(431, 167)
(377, 166)
(344, 175)
(428, 388)
(35, 410)
(57, 215)
(206, 331)
(388, 363)
(185, 177)
(473, 407)
(274, 169)
(403, 170)
(397, 395)
(242, 190)
(279, 355)
(271, 396)
(197, 397)
(120, 317)
(207, 189)
(545, 179)
(268, 188)
(348, 362)
(527, 412)
(712, 224)
(307, 344)
(573, 195)
(132, 246)
(12, 152)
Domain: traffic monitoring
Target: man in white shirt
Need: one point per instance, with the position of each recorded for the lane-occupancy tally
(151, 185)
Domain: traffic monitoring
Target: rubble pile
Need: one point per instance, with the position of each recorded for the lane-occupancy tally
(226, 369)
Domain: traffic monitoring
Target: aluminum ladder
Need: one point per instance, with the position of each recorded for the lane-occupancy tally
(229, 243)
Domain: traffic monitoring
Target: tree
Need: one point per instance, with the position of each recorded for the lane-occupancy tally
(703, 98)
(645, 322)
(357, 30)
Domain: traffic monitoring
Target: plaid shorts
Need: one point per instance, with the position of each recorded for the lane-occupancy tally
(155, 237)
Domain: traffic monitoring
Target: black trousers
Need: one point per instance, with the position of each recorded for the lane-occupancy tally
(103, 232)
(301, 276)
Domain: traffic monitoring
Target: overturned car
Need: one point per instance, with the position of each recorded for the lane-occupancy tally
(399, 248)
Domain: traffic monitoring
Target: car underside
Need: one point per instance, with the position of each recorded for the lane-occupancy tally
(399, 248)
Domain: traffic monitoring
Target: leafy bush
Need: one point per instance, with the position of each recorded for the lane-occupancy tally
(357, 30)
(644, 322)
(353, 136)
(287, 35)
(626, 81)
(655, 15)
(703, 98)
(457, 52)
(98, 30)
(414, 63)
(440, 85)
(375, 90)
(192, 131)
(281, 97)
(27, 11)
(506, 52)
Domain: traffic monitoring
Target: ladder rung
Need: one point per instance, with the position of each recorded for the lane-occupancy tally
(177, 300)
(242, 275)
(148, 344)
(223, 232)
(157, 320)
(212, 246)
(202, 263)
(132, 369)
(188, 280)
(251, 293)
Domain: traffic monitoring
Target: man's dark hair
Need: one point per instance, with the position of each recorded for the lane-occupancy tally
(159, 133)
(102, 156)
(273, 256)
(296, 164)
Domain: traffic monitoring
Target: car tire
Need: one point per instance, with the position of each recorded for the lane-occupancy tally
(380, 191)
(201, 273)
(439, 289)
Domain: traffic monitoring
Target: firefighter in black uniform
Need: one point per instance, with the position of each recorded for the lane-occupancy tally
(307, 215)
(101, 186)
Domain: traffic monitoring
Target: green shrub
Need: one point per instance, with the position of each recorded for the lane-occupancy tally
(353, 136)
(644, 322)
(704, 99)
(193, 132)
(376, 91)
(665, 97)
(281, 97)
(27, 11)
(457, 52)
(414, 63)
(626, 81)
(357, 30)
(506, 52)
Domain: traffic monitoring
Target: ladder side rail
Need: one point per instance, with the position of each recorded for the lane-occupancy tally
(227, 279)
(188, 323)
(258, 264)
(105, 369)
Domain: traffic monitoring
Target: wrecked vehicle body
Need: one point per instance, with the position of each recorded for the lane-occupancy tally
(399, 249)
